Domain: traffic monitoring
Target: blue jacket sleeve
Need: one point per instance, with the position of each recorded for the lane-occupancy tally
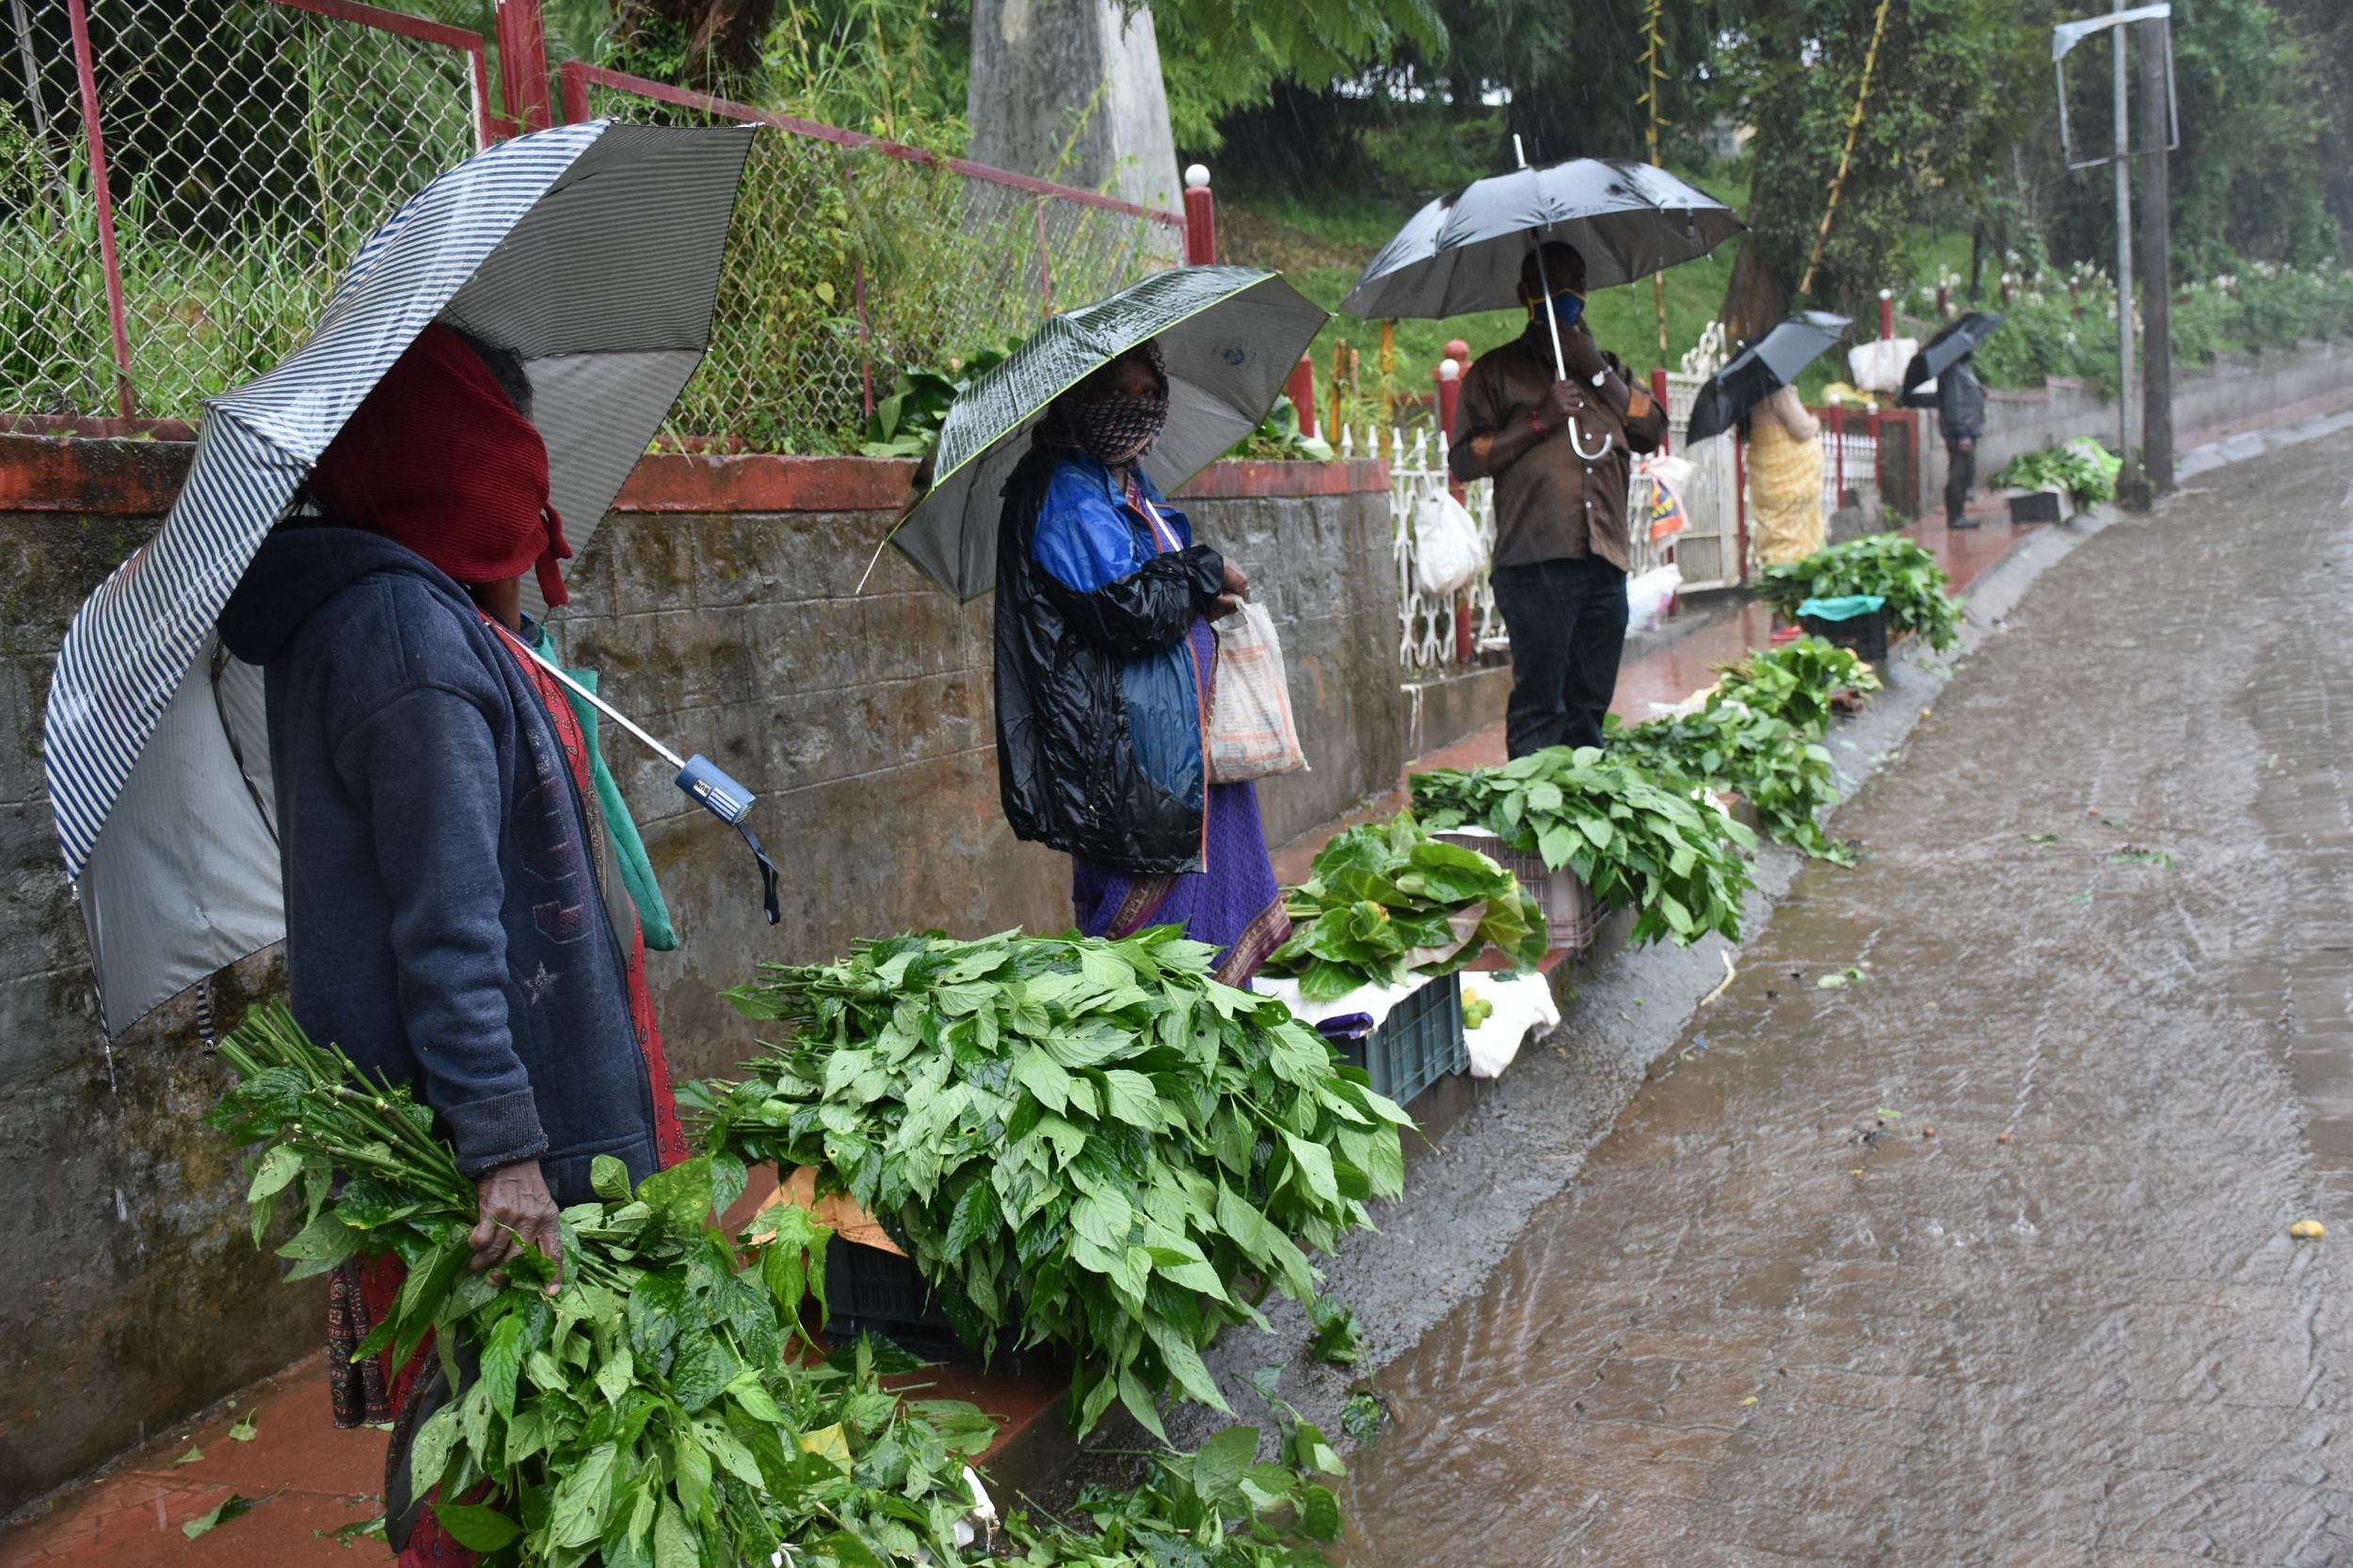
(1090, 576)
(426, 770)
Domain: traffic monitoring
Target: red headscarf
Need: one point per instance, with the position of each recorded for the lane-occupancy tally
(437, 458)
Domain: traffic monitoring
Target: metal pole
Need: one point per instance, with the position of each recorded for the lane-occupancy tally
(2156, 264)
(2123, 253)
(85, 68)
(1559, 365)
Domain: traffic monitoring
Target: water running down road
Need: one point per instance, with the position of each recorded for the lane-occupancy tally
(2106, 910)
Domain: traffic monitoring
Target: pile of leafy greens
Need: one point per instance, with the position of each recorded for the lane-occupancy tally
(2083, 468)
(1383, 904)
(1796, 682)
(1657, 845)
(1764, 758)
(1090, 1143)
(662, 1409)
(1887, 565)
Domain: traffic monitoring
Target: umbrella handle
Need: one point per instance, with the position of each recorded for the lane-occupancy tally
(1577, 442)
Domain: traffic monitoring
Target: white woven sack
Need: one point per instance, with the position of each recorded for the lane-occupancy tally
(1251, 734)
(1448, 555)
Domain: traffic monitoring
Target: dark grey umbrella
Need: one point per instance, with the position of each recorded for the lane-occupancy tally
(1774, 361)
(1462, 252)
(1949, 347)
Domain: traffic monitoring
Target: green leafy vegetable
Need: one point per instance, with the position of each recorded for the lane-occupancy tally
(1335, 1339)
(230, 1506)
(1090, 1143)
(1765, 760)
(1387, 900)
(1361, 1418)
(1657, 845)
(1888, 564)
(1796, 682)
(2082, 466)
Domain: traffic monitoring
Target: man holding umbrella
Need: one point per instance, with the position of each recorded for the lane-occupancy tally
(1559, 448)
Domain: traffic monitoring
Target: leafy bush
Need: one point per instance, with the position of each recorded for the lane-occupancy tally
(1655, 844)
(1090, 1143)
(1887, 565)
(1379, 905)
(1276, 436)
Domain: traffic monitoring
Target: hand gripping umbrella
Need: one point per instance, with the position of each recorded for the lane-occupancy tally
(1464, 252)
(593, 251)
(1229, 336)
(1950, 347)
(1774, 361)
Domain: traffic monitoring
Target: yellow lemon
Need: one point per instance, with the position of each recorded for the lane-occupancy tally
(2306, 1230)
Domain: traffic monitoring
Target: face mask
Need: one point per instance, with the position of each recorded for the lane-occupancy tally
(1568, 309)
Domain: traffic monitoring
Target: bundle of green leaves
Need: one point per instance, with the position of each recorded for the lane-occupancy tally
(1796, 682)
(656, 1412)
(2083, 468)
(1089, 1143)
(646, 1414)
(1384, 892)
(1657, 845)
(1888, 564)
(1761, 757)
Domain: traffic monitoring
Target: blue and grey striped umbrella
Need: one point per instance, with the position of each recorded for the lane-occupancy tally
(593, 251)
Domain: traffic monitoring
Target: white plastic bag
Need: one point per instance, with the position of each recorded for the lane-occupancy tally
(1879, 365)
(1447, 551)
(1523, 1005)
(1250, 733)
(1647, 597)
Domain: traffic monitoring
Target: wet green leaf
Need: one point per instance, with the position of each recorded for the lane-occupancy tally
(230, 1506)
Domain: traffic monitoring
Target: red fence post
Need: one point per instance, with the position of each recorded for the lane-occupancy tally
(1658, 396)
(1839, 451)
(1200, 218)
(85, 68)
(1944, 302)
(1300, 389)
(523, 63)
(1887, 313)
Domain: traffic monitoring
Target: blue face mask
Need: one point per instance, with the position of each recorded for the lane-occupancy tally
(1568, 309)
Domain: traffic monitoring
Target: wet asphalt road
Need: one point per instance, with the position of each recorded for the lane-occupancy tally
(2105, 912)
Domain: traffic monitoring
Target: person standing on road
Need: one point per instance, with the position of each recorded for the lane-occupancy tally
(456, 916)
(1106, 663)
(1960, 420)
(1560, 453)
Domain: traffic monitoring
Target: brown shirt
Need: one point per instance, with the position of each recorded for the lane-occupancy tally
(1552, 504)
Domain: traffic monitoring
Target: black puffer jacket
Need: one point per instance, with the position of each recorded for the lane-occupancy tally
(1066, 763)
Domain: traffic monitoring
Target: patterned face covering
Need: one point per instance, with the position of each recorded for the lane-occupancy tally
(1114, 430)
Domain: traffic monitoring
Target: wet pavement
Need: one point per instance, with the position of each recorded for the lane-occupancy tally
(2101, 942)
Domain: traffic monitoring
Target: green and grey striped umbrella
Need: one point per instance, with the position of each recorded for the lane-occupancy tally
(1229, 336)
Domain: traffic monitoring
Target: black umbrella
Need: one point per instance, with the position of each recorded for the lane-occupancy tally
(1949, 347)
(1462, 252)
(1772, 363)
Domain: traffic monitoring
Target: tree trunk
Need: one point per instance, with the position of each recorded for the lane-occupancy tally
(723, 37)
(1758, 295)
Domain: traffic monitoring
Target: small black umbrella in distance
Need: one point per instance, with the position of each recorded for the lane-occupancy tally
(1462, 252)
(1949, 347)
(1774, 361)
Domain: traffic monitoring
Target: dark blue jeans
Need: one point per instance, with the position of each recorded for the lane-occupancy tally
(1567, 622)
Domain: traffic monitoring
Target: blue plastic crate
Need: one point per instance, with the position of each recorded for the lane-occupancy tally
(1418, 1044)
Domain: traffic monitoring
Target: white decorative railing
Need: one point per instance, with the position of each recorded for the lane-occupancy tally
(1426, 624)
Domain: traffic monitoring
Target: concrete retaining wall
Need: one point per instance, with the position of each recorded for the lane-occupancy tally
(2206, 398)
(719, 601)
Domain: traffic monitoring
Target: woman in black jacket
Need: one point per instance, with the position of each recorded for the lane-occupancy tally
(1105, 665)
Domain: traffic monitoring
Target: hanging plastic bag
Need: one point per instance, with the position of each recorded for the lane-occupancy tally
(1251, 734)
(1448, 555)
(1650, 596)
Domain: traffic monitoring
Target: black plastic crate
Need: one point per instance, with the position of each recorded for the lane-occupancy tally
(2034, 506)
(1419, 1043)
(868, 1290)
(1866, 634)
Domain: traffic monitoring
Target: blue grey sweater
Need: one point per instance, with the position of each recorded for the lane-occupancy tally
(446, 908)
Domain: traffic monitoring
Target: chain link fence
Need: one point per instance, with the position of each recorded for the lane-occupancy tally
(241, 151)
(855, 262)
